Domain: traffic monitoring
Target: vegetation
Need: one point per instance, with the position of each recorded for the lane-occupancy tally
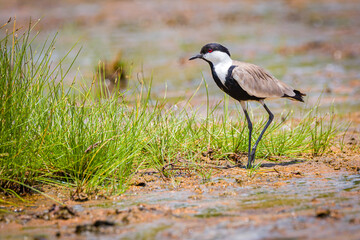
(53, 134)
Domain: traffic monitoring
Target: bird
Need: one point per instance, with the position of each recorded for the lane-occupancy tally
(246, 82)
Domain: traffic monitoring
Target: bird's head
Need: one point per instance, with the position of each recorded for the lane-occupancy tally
(213, 53)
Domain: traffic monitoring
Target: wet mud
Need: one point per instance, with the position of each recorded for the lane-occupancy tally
(312, 197)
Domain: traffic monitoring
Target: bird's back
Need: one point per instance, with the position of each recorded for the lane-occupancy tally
(256, 81)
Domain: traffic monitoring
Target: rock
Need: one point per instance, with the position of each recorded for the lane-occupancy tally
(94, 227)
(140, 184)
(58, 212)
(239, 181)
(102, 223)
(322, 213)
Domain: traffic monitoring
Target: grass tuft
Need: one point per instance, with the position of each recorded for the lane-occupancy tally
(55, 134)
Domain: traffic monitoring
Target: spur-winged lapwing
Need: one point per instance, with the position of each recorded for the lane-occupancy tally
(245, 82)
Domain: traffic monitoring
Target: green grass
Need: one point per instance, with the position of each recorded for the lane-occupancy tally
(57, 134)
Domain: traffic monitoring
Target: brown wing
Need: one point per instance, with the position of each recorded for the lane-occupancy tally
(256, 81)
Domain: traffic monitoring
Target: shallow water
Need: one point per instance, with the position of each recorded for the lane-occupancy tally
(291, 210)
(246, 212)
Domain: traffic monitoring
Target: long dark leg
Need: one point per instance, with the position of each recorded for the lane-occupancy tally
(271, 117)
(250, 131)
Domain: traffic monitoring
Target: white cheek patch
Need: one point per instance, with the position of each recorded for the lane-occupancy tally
(206, 56)
(217, 57)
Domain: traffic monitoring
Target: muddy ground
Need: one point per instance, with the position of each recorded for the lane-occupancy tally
(310, 44)
(286, 198)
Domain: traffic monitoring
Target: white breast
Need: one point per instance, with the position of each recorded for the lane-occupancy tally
(221, 70)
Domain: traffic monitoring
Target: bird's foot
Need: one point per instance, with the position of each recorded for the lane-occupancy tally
(250, 160)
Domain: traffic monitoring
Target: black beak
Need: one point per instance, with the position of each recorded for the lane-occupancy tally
(197, 56)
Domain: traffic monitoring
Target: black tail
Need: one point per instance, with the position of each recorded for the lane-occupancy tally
(298, 96)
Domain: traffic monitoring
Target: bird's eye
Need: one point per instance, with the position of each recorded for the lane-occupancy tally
(210, 50)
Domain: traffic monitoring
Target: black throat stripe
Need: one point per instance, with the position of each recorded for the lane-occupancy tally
(231, 86)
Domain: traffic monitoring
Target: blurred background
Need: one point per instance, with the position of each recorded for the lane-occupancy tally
(311, 45)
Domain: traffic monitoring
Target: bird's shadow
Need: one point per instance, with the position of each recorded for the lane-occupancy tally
(265, 165)
(274, 164)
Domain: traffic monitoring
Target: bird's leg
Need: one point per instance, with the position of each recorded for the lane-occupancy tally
(271, 117)
(250, 131)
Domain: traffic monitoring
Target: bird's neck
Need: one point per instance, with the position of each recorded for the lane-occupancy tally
(221, 68)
